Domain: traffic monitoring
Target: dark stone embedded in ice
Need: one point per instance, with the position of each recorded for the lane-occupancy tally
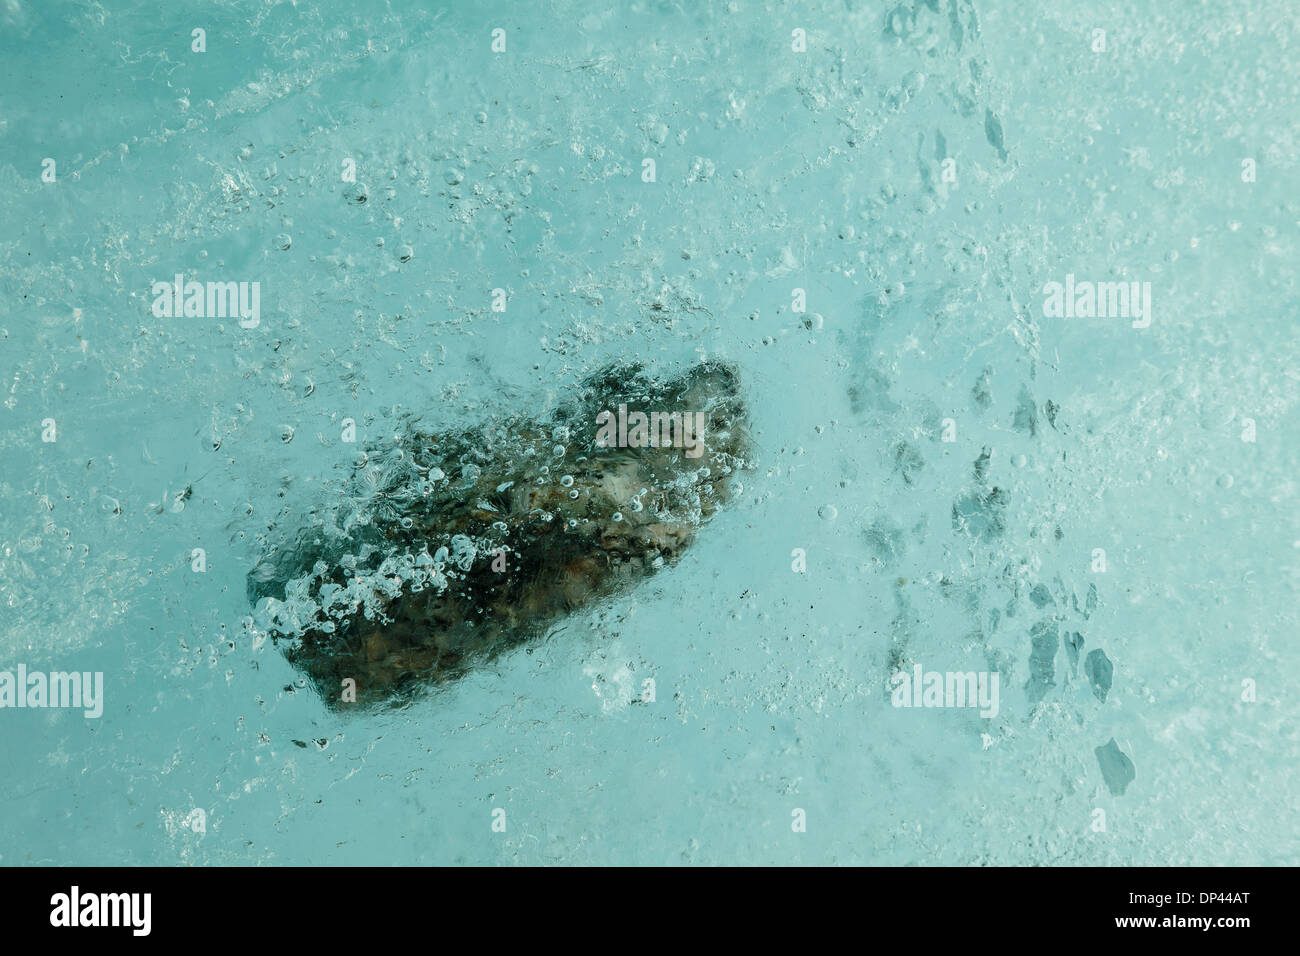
(1116, 769)
(1041, 596)
(1042, 658)
(1098, 669)
(476, 540)
(1073, 645)
(1090, 603)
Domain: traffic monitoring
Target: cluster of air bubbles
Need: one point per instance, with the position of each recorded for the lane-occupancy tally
(313, 601)
(462, 551)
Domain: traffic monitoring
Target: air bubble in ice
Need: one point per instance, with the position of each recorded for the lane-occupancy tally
(463, 551)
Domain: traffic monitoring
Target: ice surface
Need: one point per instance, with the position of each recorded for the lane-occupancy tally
(1172, 448)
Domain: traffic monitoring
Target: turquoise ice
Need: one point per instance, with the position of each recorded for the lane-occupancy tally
(861, 205)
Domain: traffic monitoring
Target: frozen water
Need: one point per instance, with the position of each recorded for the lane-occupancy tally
(861, 205)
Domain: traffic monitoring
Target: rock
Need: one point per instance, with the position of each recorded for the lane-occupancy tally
(525, 531)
